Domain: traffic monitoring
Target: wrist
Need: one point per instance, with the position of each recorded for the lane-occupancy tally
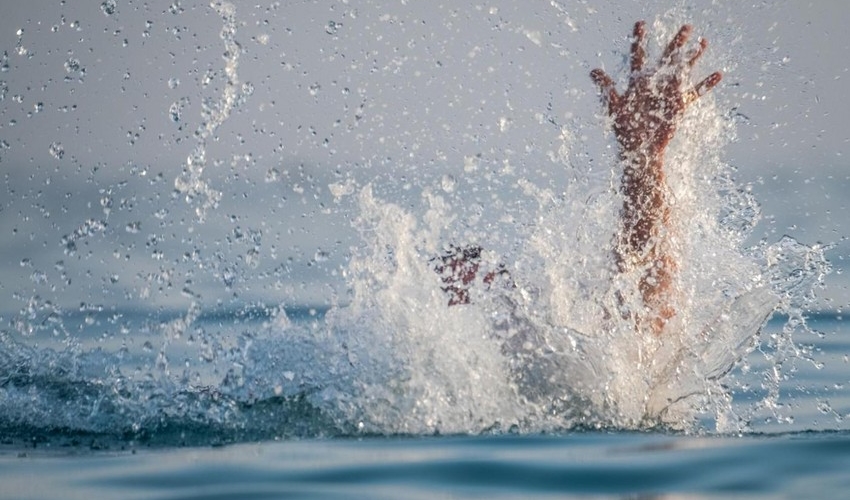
(643, 165)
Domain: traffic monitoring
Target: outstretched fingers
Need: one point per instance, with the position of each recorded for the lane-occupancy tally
(676, 43)
(702, 87)
(638, 50)
(709, 82)
(697, 53)
(606, 87)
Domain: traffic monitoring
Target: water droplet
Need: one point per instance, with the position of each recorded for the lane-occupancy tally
(504, 123)
(332, 27)
(448, 183)
(38, 277)
(106, 203)
(470, 164)
(315, 88)
(252, 258)
(108, 7)
(174, 112)
(72, 65)
(272, 175)
(56, 150)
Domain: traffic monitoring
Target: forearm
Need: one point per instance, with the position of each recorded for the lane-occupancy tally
(645, 208)
(644, 232)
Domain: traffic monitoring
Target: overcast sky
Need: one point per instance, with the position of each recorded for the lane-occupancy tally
(100, 104)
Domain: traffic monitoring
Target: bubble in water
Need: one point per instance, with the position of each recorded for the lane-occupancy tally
(56, 150)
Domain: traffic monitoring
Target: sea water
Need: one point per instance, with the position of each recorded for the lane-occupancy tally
(286, 449)
(533, 389)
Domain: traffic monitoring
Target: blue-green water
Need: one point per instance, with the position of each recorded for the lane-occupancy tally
(614, 465)
(203, 445)
(167, 174)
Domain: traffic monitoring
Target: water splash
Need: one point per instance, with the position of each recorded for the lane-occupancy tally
(545, 352)
(192, 183)
(553, 351)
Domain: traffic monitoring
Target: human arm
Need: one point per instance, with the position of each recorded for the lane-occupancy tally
(644, 119)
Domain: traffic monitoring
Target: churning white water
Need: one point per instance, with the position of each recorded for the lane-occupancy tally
(549, 347)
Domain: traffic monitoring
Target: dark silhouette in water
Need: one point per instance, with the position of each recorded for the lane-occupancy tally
(458, 267)
(645, 118)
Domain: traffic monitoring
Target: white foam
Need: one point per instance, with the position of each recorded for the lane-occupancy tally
(555, 351)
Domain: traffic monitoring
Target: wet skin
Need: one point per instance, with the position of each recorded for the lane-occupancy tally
(644, 119)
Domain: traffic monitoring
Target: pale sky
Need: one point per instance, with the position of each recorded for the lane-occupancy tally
(99, 104)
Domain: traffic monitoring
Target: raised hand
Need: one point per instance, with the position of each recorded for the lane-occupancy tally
(645, 116)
